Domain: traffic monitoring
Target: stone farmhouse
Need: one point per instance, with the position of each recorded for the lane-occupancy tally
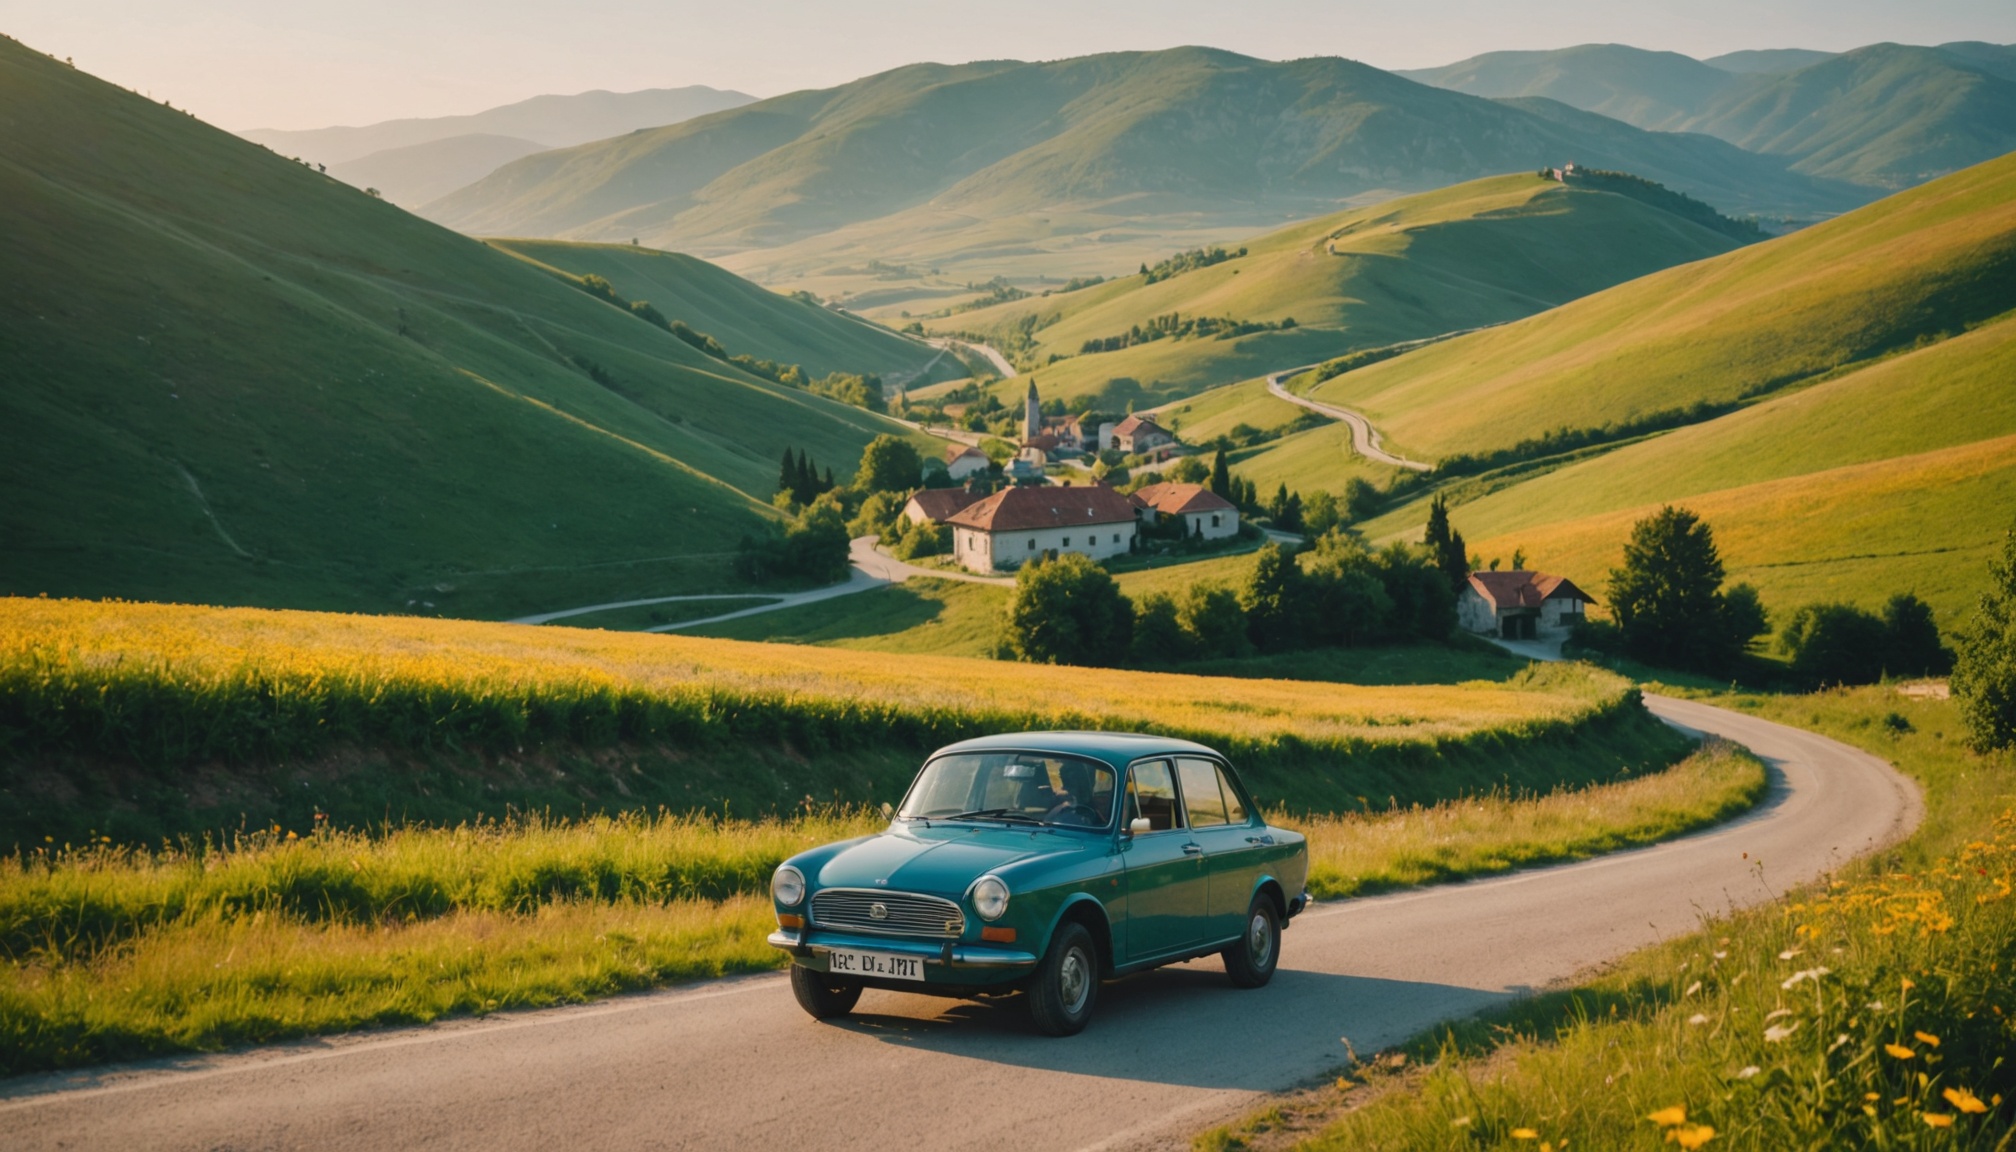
(937, 505)
(1006, 530)
(1140, 436)
(1204, 513)
(1520, 605)
(964, 460)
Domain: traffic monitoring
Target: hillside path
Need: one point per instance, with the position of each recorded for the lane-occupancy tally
(992, 353)
(1364, 438)
(735, 1064)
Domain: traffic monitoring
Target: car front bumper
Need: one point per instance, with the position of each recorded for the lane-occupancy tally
(945, 962)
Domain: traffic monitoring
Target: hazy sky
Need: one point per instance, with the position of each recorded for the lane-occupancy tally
(310, 63)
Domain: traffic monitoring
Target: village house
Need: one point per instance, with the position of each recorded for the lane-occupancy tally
(1140, 436)
(937, 505)
(964, 460)
(1050, 433)
(1006, 530)
(1520, 605)
(1203, 512)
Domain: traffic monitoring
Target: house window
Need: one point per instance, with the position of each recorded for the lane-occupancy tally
(1067, 541)
(1032, 545)
(1116, 537)
(1214, 520)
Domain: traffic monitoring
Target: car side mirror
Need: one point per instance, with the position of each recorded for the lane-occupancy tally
(1138, 826)
(888, 810)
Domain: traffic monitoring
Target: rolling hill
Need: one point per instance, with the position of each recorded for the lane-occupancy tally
(742, 315)
(412, 175)
(1884, 116)
(1475, 254)
(1080, 163)
(1859, 434)
(234, 380)
(554, 121)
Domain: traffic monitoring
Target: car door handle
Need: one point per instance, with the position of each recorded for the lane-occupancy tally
(1193, 849)
(1259, 839)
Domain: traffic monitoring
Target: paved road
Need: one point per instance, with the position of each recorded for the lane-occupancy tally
(735, 1064)
(1364, 437)
(992, 353)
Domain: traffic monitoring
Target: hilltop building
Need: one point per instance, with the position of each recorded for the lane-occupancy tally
(1032, 414)
(1520, 605)
(1005, 530)
(1203, 512)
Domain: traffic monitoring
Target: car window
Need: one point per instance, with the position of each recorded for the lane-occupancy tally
(1201, 798)
(1151, 792)
(1024, 786)
(1235, 808)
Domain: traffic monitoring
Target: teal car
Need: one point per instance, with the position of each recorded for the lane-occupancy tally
(1044, 863)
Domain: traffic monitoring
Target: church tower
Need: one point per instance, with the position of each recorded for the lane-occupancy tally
(1032, 416)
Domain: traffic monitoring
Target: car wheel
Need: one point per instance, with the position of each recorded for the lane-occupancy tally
(1251, 959)
(1067, 982)
(823, 997)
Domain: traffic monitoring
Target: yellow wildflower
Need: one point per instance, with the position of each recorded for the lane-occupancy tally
(1927, 1038)
(1964, 1100)
(1936, 1119)
(1691, 1136)
(1668, 1117)
(1899, 1051)
(1525, 1134)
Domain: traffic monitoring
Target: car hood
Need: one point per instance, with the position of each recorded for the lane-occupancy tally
(943, 859)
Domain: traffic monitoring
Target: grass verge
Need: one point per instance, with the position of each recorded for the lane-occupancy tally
(114, 953)
(1873, 1010)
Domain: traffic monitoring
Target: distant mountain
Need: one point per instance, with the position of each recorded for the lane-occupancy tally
(232, 379)
(1754, 60)
(554, 121)
(1655, 90)
(1001, 152)
(1884, 116)
(417, 173)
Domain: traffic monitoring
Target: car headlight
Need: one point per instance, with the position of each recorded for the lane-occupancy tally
(787, 886)
(990, 897)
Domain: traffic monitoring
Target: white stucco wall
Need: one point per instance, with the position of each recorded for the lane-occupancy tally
(1195, 523)
(993, 552)
(966, 466)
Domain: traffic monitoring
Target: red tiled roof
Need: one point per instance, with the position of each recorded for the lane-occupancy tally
(1042, 443)
(1169, 498)
(1027, 509)
(939, 503)
(1135, 425)
(1523, 589)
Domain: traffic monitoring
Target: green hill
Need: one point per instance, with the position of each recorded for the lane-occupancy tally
(417, 173)
(1479, 253)
(1916, 267)
(1871, 444)
(744, 316)
(1076, 161)
(231, 379)
(1884, 116)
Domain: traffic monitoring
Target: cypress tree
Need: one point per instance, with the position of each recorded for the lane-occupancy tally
(787, 476)
(1221, 476)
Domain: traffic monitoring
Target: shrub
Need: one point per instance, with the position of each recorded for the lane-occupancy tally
(1668, 601)
(881, 515)
(813, 547)
(1272, 598)
(1984, 669)
(1159, 637)
(889, 464)
(1067, 611)
(1911, 641)
(1841, 644)
(1321, 513)
(1213, 622)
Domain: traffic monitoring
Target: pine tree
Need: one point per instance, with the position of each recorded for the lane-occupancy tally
(1221, 476)
(1445, 544)
(787, 476)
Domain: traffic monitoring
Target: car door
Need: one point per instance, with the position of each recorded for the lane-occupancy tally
(1168, 883)
(1233, 854)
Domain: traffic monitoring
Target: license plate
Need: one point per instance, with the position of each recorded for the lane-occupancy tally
(890, 967)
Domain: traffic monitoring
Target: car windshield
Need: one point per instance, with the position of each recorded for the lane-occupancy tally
(1015, 787)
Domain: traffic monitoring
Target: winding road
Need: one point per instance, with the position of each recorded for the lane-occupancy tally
(735, 1064)
(1364, 437)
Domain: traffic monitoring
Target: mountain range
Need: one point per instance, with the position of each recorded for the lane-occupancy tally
(939, 163)
(1885, 116)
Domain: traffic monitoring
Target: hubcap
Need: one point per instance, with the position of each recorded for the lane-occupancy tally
(1074, 980)
(1259, 940)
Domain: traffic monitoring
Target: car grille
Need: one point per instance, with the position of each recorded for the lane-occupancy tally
(903, 913)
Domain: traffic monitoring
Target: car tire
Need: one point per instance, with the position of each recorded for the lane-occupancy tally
(822, 996)
(1066, 987)
(1251, 959)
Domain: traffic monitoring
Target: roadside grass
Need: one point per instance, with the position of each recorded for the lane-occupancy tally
(642, 616)
(114, 953)
(1871, 1010)
(926, 617)
(1358, 854)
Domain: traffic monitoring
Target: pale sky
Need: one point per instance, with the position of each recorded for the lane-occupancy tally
(312, 63)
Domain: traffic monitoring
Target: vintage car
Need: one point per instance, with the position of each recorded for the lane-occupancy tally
(1044, 862)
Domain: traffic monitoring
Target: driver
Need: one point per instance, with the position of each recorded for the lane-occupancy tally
(1074, 796)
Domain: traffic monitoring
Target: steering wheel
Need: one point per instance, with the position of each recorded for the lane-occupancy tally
(1085, 811)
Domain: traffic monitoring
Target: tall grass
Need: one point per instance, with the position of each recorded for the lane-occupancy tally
(1874, 1010)
(1356, 854)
